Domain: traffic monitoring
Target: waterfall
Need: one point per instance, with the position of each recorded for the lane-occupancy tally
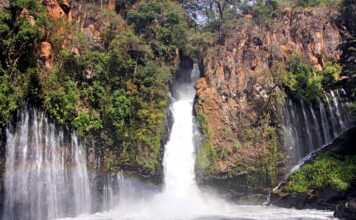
(322, 121)
(307, 127)
(317, 130)
(180, 198)
(179, 157)
(45, 173)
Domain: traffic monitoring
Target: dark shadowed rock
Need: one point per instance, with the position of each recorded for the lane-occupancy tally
(346, 210)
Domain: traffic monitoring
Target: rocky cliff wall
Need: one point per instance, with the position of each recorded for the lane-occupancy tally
(239, 96)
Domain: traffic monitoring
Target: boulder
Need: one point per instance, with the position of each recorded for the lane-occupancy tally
(346, 210)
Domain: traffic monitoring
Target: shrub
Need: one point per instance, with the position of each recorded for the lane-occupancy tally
(87, 122)
(61, 101)
(120, 109)
(325, 171)
(331, 73)
(302, 79)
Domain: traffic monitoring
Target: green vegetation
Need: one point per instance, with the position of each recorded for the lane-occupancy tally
(330, 73)
(306, 82)
(314, 3)
(302, 78)
(19, 34)
(205, 157)
(263, 11)
(221, 14)
(206, 154)
(325, 171)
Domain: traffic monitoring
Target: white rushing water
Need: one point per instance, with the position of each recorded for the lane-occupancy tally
(181, 198)
(45, 172)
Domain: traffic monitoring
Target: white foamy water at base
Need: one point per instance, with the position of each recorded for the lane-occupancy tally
(181, 198)
(159, 210)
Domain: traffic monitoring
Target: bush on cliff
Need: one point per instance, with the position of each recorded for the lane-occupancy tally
(301, 78)
(304, 81)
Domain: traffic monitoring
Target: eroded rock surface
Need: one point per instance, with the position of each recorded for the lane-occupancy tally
(238, 96)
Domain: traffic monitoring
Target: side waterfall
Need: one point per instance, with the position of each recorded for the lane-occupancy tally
(46, 173)
(309, 126)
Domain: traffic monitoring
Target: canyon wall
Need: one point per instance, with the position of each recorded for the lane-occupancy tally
(240, 98)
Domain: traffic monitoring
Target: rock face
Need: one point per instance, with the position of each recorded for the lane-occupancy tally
(80, 12)
(4, 4)
(46, 53)
(57, 9)
(237, 97)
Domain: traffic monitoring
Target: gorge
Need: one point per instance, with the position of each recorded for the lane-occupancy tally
(44, 167)
(177, 109)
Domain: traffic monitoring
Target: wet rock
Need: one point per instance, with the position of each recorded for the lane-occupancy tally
(346, 210)
(318, 199)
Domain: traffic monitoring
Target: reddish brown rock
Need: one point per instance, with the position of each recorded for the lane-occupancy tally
(46, 54)
(54, 9)
(111, 5)
(235, 93)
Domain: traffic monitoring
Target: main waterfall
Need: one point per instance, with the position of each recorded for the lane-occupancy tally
(45, 172)
(179, 157)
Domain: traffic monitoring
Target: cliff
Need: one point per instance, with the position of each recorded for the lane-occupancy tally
(240, 94)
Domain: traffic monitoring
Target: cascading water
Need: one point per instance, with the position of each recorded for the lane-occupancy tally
(179, 157)
(308, 127)
(181, 198)
(46, 174)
